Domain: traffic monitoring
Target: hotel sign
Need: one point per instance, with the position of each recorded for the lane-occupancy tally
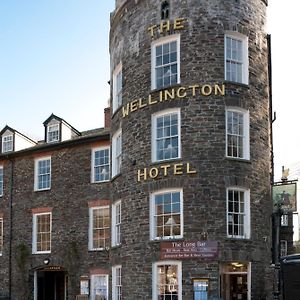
(205, 250)
(164, 171)
(178, 93)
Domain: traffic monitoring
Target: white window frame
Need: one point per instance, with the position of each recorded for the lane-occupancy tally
(155, 266)
(116, 153)
(1, 236)
(92, 289)
(154, 143)
(246, 215)
(103, 166)
(117, 87)
(245, 134)
(117, 282)
(159, 42)
(153, 229)
(116, 223)
(1, 181)
(50, 129)
(91, 245)
(36, 174)
(244, 62)
(35, 232)
(284, 220)
(7, 143)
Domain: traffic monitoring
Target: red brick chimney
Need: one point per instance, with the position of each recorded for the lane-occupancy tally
(107, 117)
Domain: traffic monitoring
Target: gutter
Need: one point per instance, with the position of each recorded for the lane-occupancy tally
(57, 146)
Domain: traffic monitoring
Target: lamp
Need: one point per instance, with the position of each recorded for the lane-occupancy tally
(171, 222)
(46, 261)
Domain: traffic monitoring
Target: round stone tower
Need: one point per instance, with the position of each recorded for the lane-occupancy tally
(190, 150)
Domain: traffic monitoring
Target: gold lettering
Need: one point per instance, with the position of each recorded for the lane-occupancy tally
(153, 174)
(141, 104)
(220, 90)
(151, 29)
(188, 169)
(204, 90)
(178, 169)
(161, 99)
(144, 174)
(150, 100)
(178, 23)
(193, 87)
(169, 95)
(165, 168)
(164, 26)
(134, 105)
(125, 110)
(179, 94)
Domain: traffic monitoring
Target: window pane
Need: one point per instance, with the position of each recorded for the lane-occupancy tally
(234, 60)
(43, 232)
(167, 282)
(43, 174)
(236, 213)
(101, 165)
(100, 227)
(167, 137)
(167, 214)
(166, 64)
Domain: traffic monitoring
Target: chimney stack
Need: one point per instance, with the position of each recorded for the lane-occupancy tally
(107, 117)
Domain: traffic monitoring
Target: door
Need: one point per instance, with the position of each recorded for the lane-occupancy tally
(50, 285)
(238, 287)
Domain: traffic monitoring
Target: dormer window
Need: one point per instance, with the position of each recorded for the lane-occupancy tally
(12, 140)
(53, 133)
(7, 143)
(58, 130)
(165, 8)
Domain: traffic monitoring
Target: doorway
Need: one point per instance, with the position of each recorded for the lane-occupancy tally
(235, 281)
(238, 286)
(50, 284)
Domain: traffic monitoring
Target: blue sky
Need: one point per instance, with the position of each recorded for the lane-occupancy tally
(54, 59)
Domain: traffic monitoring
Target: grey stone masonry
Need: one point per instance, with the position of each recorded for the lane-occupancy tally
(135, 26)
(68, 199)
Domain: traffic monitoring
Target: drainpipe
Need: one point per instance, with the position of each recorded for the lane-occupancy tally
(272, 117)
(10, 226)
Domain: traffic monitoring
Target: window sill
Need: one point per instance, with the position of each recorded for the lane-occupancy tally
(245, 160)
(116, 247)
(239, 239)
(171, 160)
(155, 90)
(245, 85)
(42, 252)
(42, 190)
(115, 177)
(97, 182)
(170, 239)
(116, 111)
(99, 250)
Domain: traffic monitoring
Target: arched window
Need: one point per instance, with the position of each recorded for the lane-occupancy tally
(165, 7)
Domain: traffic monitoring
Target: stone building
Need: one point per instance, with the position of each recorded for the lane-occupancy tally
(191, 122)
(171, 200)
(54, 212)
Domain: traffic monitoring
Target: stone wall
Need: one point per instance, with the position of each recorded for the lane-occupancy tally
(69, 197)
(202, 137)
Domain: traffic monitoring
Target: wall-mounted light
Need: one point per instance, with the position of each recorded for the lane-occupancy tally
(46, 261)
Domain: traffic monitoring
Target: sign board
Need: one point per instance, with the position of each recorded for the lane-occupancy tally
(284, 196)
(205, 250)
